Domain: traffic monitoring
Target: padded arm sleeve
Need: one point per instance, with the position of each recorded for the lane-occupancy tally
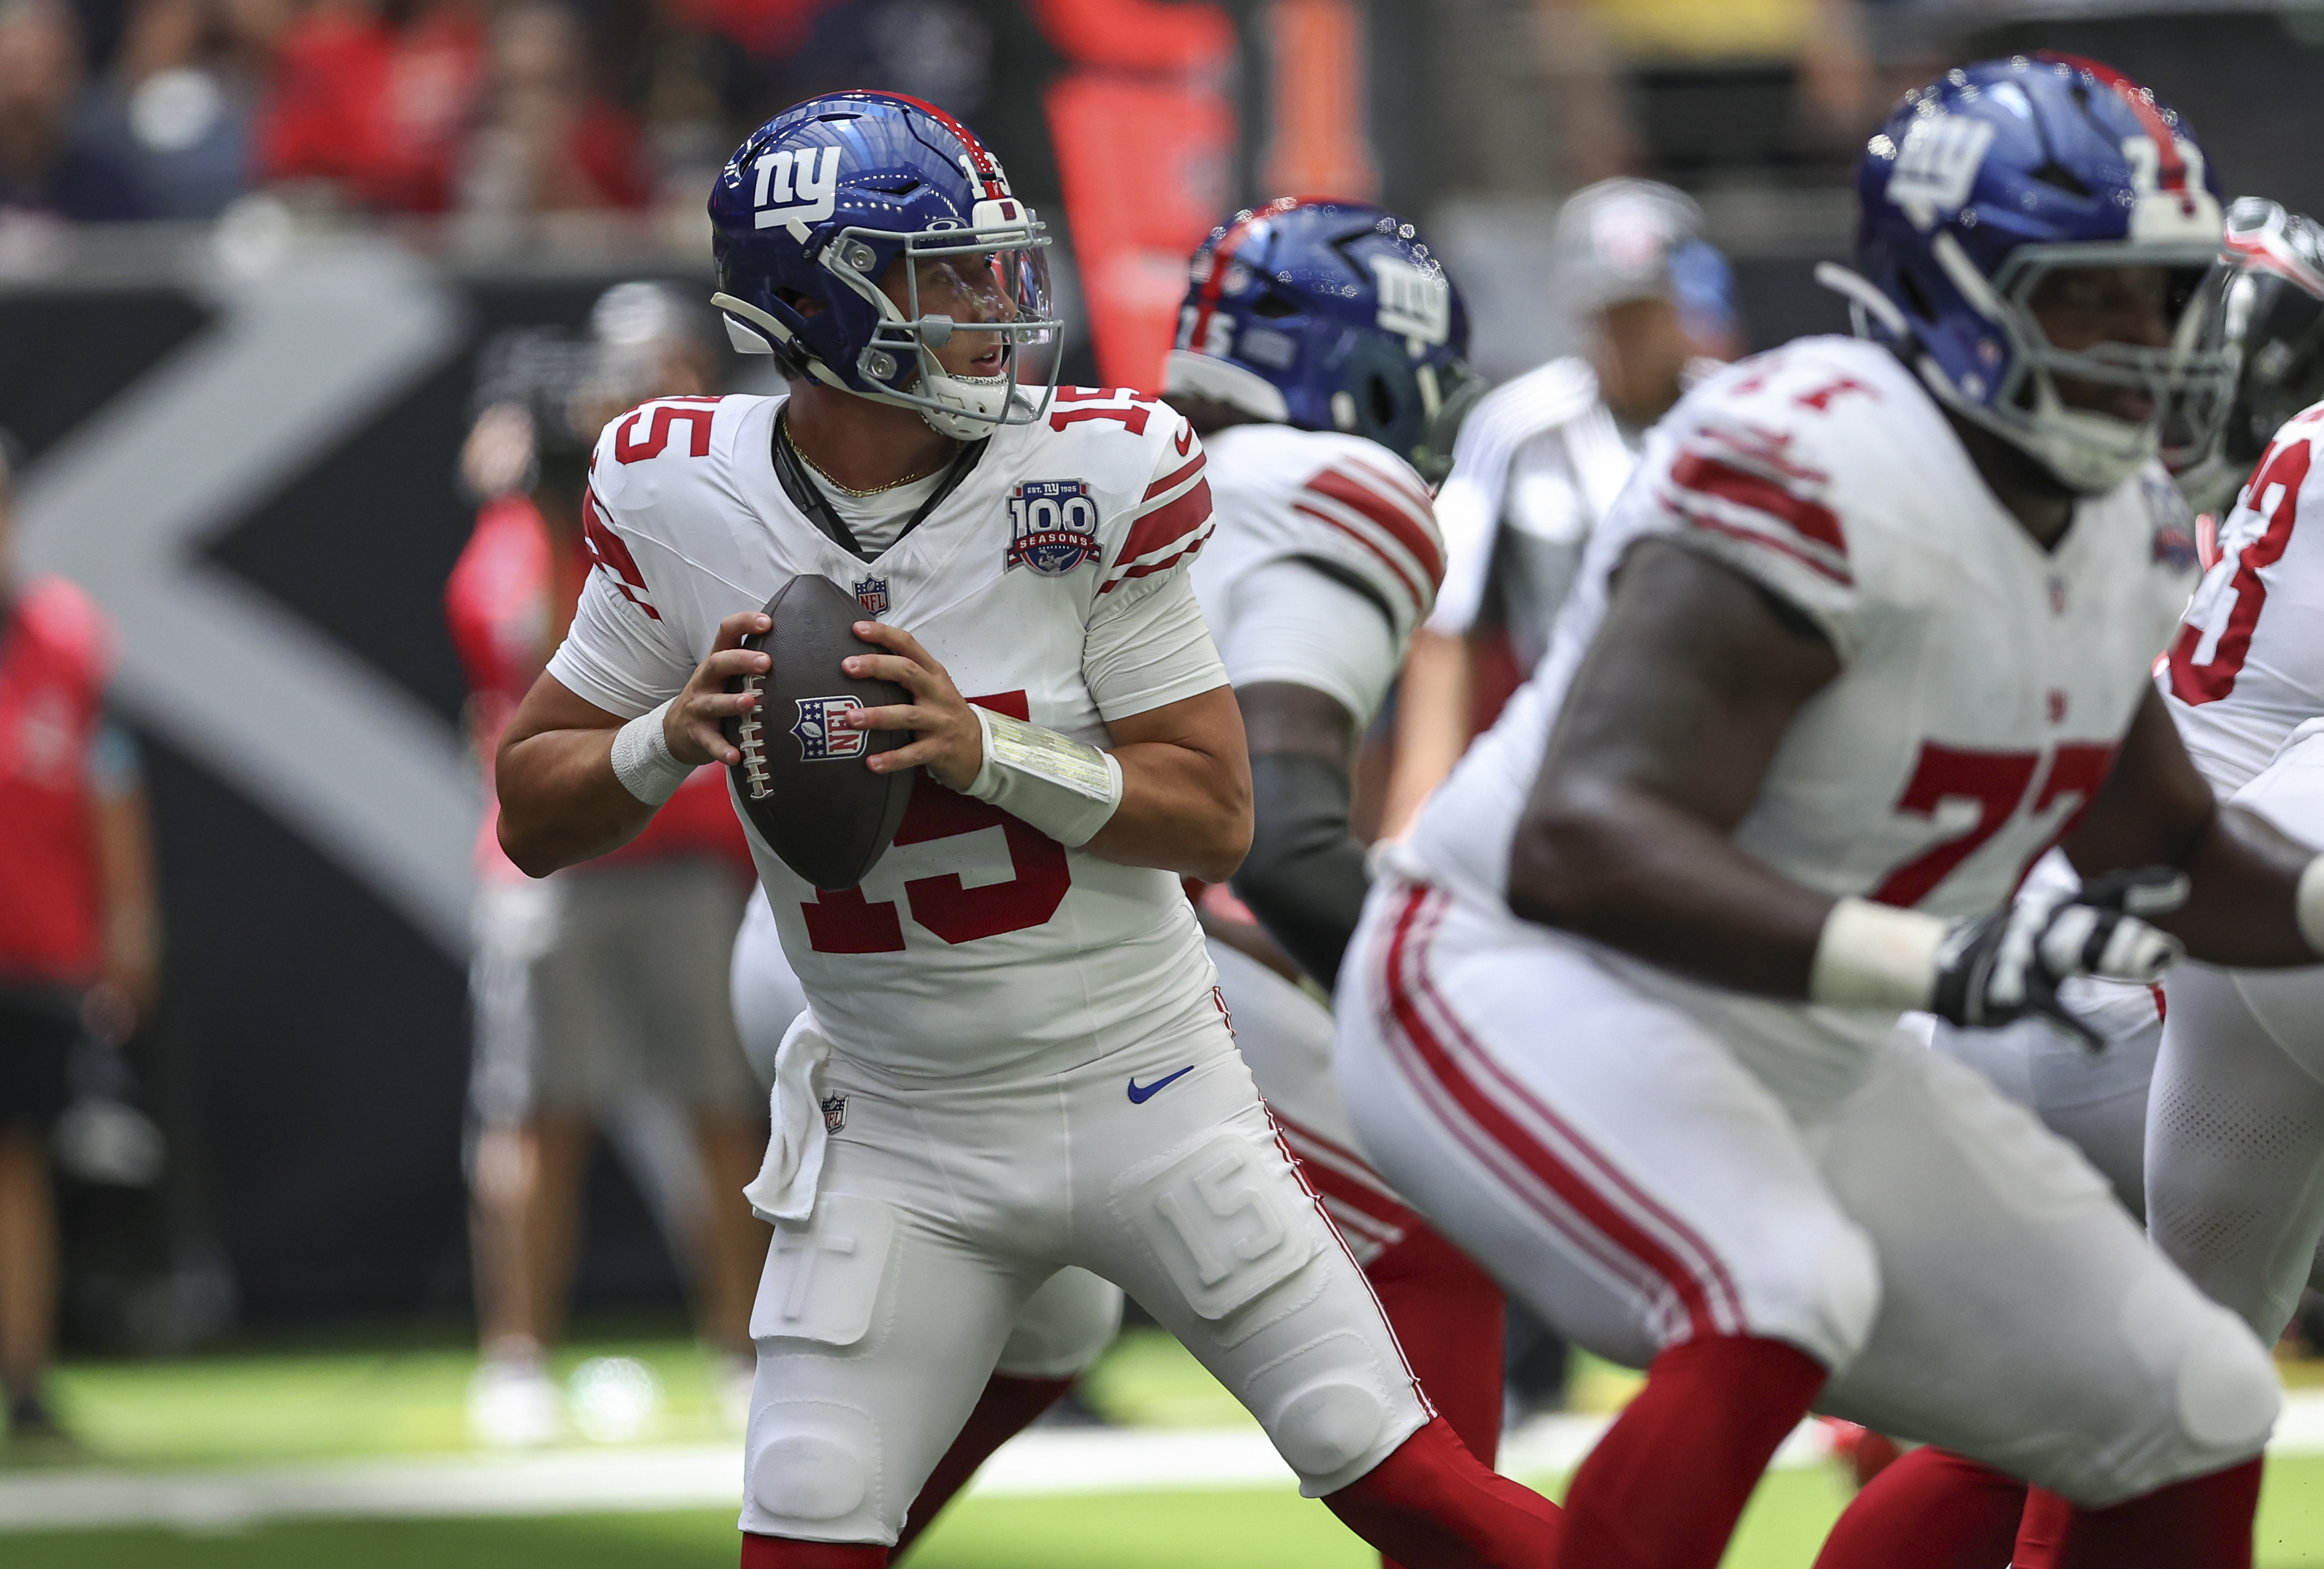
(1304, 876)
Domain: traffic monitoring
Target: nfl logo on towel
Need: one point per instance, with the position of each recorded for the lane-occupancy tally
(821, 737)
(871, 594)
(1055, 525)
(835, 1114)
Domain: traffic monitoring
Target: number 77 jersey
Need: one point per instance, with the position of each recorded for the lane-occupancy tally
(1985, 683)
(1044, 583)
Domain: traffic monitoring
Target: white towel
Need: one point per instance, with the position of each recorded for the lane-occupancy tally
(784, 1189)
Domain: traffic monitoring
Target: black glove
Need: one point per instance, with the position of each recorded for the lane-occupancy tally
(2008, 963)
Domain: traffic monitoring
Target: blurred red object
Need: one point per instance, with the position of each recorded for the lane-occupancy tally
(766, 28)
(1144, 134)
(507, 604)
(382, 110)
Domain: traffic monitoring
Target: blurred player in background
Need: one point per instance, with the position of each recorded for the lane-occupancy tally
(1544, 456)
(79, 929)
(1625, 1020)
(591, 985)
(995, 1080)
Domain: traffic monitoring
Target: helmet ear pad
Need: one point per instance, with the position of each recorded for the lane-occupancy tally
(1375, 394)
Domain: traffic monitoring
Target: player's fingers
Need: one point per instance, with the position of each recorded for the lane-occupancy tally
(700, 739)
(898, 716)
(722, 664)
(899, 640)
(913, 678)
(743, 623)
(928, 750)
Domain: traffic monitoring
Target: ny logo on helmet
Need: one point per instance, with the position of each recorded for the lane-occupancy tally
(795, 189)
(1414, 301)
(1936, 168)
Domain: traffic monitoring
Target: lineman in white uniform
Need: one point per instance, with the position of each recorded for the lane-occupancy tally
(951, 1122)
(1625, 1022)
(2271, 281)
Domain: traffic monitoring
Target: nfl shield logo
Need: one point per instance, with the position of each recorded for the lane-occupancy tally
(835, 1114)
(821, 736)
(871, 594)
(1053, 525)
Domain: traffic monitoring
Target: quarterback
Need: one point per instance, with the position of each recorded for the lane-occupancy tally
(1870, 630)
(1012, 1059)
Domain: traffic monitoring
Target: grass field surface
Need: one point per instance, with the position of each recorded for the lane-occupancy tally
(179, 1418)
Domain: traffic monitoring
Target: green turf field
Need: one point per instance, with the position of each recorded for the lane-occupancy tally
(285, 1405)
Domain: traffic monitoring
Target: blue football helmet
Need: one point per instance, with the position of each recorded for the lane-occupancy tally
(1329, 315)
(1997, 176)
(812, 211)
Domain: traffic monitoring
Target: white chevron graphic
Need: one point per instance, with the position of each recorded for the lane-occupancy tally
(267, 701)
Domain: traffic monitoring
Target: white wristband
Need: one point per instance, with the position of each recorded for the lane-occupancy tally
(1067, 788)
(2309, 905)
(642, 760)
(1875, 956)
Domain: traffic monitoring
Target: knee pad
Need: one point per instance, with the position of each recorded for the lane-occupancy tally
(814, 1473)
(1331, 1409)
(2212, 1393)
(1062, 1327)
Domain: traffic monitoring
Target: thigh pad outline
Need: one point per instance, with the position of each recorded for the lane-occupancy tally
(822, 1282)
(1224, 1220)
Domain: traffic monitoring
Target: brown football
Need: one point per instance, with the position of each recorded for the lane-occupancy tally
(802, 781)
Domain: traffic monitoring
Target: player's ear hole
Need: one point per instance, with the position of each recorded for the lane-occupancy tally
(1383, 400)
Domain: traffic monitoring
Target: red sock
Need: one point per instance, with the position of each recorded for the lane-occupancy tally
(1929, 1509)
(1006, 1409)
(784, 1553)
(1432, 1505)
(1450, 1317)
(1665, 1486)
(2202, 1523)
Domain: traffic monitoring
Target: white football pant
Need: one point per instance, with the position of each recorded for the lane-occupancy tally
(946, 1204)
(1964, 1273)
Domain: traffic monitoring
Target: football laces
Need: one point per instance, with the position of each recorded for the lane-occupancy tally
(751, 738)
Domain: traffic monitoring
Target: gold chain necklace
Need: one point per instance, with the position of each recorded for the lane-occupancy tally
(850, 491)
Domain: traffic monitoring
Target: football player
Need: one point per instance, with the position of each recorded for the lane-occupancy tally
(951, 1125)
(1870, 628)
(2270, 278)
(1546, 452)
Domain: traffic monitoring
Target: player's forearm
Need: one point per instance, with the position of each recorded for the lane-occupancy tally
(1182, 810)
(1304, 876)
(1616, 865)
(2241, 906)
(561, 802)
(1435, 697)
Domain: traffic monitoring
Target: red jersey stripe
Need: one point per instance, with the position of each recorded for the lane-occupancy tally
(1400, 525)
(1773, 542)
(1166, 525)
(1709, 476)
(1178, 477)
(1419, 596)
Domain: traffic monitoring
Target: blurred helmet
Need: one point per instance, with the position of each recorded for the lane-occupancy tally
(2269, 318)
(824, 198)
(1989, 180)
(1329, 315)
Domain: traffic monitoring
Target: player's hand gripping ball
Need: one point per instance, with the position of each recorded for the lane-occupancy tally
(801, 779)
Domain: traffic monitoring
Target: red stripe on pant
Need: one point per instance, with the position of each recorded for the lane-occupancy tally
(1701, 1299)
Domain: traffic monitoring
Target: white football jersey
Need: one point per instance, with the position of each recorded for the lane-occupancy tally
(1343, 504)
(977, 941)
(2247, 665)
(1538, 463)
(1984, 686)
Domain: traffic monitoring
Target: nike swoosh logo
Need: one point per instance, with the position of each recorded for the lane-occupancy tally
(1141, 1093)
(1185, 438)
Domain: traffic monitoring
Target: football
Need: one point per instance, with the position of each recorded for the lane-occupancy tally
(801, 781)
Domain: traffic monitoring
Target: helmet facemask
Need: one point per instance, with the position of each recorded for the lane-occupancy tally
(997, 270)
(2187, 384)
